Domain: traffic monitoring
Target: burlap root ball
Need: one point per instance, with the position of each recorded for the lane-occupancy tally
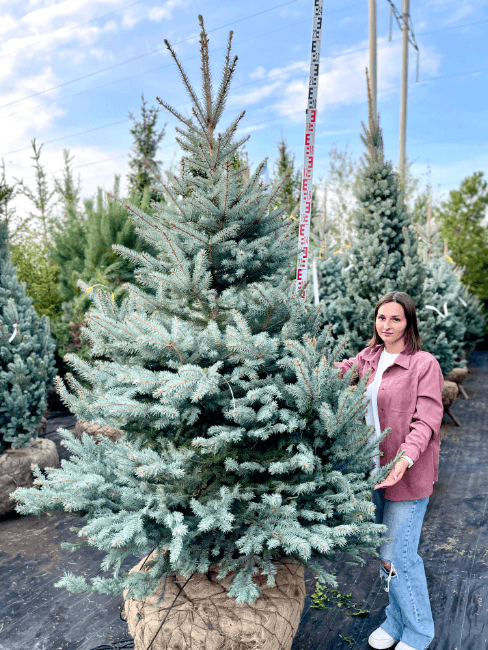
(457, 375)
(15, 468)
(95, 430)
(205, 618)
(41, 427)
(449, 393)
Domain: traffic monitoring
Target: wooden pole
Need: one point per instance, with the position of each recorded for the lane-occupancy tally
(404, 94)
(372, 53)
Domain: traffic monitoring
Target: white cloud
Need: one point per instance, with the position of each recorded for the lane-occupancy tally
(460, 13)
(287, 71)
(39, 19)
(166, 11)
(259, 73)
(250, 129)
(342, 79)
(328, 133)
(448, 176)
(253, 96)
(7, 24)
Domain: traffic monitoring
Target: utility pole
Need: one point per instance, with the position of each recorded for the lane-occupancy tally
(405, 25)
(404, 94)
(372, 53)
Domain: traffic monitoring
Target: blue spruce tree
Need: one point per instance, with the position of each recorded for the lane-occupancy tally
(384, 257)
(242, 446)
(27, 357)
(451, 302)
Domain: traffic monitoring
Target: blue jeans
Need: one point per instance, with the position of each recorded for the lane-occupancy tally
(408, 616)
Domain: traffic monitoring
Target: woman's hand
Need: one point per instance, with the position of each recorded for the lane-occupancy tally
(395, 475)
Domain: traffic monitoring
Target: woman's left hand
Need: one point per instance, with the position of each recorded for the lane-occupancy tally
(395, 475)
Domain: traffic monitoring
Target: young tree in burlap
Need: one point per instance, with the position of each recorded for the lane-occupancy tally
(242, 445)
(26, 357)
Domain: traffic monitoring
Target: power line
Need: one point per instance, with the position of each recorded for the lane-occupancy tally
(168, 65)
(70, 29)
(139, 74)
(290, 114)
(141, 56)
(106, 126)
(443, 29)
(63, 137)
(267, 80)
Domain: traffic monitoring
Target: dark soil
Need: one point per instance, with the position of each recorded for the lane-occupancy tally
(35, 615)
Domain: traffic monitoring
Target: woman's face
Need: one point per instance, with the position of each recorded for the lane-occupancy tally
(391, 322)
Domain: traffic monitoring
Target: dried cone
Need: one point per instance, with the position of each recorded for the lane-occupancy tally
(94, 430)
(205, 618)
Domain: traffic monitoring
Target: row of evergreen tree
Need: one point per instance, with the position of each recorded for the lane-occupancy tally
(52, 250)
(380, 243)
(389, 252)
(243, 446)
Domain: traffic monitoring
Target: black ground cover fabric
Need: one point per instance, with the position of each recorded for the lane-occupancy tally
(35, 615)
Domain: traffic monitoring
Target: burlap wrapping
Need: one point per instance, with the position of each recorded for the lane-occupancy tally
(457, 375)
(15, 468)
(449, 393)
(205, 618)
(95, 430)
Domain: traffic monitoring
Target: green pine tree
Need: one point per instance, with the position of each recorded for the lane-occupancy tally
(40, 276)
(42, 220)
(243, 444)
(147, 138)
(108, 225)
(289, 194)
(461, 218)
(7, 194)
(26, 352)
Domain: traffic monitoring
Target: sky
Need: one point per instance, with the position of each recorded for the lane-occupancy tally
(71, 71)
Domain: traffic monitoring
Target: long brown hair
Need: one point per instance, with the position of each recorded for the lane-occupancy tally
(411, 336)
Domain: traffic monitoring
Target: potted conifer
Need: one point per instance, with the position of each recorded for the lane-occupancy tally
(244, 456)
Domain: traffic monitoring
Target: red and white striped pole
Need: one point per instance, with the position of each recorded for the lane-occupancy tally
(309, 149)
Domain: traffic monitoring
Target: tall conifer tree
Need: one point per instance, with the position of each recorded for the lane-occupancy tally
(26, 353)
(147, 138)
(384, 257)
(379, 259)
(243, 445)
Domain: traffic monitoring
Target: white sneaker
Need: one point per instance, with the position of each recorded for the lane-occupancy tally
(381, 639)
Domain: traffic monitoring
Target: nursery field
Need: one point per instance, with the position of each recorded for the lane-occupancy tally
(35, 615)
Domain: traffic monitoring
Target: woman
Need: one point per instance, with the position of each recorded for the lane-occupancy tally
(405, 393)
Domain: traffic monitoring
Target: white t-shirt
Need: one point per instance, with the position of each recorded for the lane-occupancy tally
(386, 360)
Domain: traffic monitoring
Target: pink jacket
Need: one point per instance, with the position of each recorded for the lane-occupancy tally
(410, 402)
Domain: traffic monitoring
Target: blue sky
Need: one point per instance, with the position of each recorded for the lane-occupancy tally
(71, 71)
